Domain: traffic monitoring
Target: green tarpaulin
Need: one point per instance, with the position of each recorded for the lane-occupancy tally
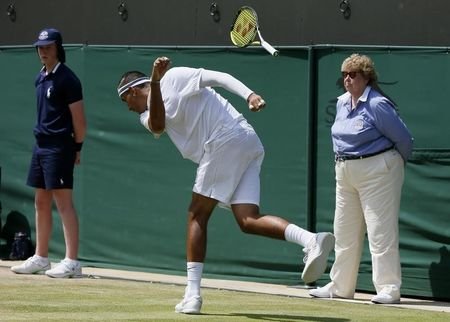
(132, 191)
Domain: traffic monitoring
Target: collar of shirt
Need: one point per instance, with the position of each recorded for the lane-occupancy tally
(43, 70)
(347, 98)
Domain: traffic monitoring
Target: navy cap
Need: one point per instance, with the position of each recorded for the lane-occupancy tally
(49, 36)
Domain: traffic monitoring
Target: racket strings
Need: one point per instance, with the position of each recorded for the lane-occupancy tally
(244, 29)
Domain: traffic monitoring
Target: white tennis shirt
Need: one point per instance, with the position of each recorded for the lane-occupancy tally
(195, 113)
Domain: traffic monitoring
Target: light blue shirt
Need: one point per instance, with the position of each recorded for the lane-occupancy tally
(373, 126)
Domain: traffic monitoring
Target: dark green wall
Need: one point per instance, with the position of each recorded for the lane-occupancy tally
(132, 191)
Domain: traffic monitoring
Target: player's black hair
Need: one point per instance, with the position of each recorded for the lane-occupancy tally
(131, 76)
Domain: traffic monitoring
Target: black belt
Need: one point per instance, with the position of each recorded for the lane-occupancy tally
(340, 158)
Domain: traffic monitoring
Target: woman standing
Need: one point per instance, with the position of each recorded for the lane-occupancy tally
(371, 145)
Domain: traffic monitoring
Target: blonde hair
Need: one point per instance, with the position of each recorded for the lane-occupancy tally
(362, 64)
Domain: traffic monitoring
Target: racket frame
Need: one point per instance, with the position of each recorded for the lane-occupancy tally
(252, 42)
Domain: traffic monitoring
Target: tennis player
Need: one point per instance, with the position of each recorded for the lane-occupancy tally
(208, 130)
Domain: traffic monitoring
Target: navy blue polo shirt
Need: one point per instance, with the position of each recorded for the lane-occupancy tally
(54, 93)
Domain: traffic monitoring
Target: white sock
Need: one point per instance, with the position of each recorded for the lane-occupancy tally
(295, 234)
(194, 277)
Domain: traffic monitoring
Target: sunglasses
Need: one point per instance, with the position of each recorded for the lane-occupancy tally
(351, 74)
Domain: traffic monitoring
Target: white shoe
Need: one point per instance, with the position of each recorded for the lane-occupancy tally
(316, 256)
(32, 265)
(192, 305)
(388, 295)
(324, 292)
(65, 269)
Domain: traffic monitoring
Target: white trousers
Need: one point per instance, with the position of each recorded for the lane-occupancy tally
(368, 193)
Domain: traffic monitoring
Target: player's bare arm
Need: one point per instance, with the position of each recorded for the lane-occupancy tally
(157, 119)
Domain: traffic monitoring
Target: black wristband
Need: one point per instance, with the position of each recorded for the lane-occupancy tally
(78, 146)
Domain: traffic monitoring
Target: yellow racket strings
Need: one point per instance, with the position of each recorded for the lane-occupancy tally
(244, 28)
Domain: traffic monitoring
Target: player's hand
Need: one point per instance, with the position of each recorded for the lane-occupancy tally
(255, 102)
(160, 67)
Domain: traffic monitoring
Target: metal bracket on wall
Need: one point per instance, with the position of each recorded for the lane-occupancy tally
(345, 9)
(123, 11)
(11, 12)
(214, 12)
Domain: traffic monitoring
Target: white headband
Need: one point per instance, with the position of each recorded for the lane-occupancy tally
(138, 81)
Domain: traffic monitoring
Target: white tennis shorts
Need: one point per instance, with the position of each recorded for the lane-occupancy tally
(229, 169)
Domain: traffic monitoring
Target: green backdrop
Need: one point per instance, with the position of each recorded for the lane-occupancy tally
(132, 191)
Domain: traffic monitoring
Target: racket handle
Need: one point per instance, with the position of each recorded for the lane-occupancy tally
(269, 48)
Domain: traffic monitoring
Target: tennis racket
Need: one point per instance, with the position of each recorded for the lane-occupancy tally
(245, 28)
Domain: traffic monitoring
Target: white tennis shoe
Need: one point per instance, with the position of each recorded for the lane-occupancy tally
(32, 265)
(65, 269)
(326, 291)
(388, 295)
(316, 256)
(192, 305)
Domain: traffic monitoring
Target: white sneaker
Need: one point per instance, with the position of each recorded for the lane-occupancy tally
(32, 265)
(192, 305)
(324, 292)
(65, 269)
(388, 295)
(316, 256)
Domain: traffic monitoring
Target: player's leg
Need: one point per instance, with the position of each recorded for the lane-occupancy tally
(251, 222)
(200, 211)
(245, 198)
(316, 246)
(244, 204)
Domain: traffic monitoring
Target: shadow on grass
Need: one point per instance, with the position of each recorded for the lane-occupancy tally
(279, 317)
